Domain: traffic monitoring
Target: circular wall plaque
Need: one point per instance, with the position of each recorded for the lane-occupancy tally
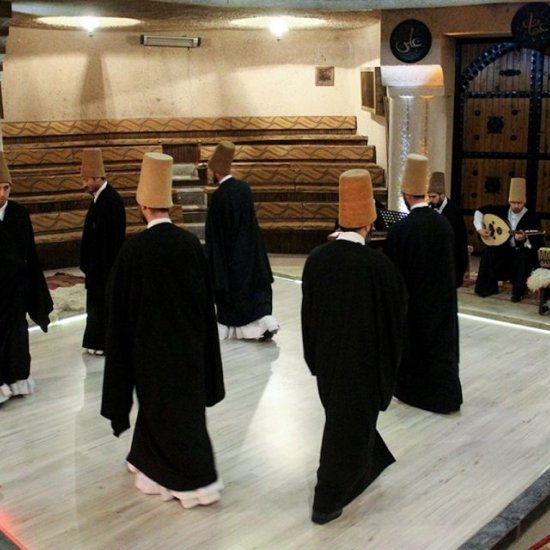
(410, 41)
(531, 26)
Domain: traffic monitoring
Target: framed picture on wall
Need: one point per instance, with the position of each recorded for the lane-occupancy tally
(324, 76)
(372, 91)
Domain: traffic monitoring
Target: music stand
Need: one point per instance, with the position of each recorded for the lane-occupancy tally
(389, 217)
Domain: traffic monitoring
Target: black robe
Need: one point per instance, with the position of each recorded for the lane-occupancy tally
(507, 262)
(421, 246)
(456, 219)
(102, 237)
(237, 258)
(353, 312)
(162, 340)
(23, 290)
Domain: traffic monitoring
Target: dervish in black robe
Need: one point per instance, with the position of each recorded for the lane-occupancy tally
(23, 290)
(353, 312)
(237, 257)
(511, 261)
(421, 246)
(102, 237)
(162, 340)
(452, 212)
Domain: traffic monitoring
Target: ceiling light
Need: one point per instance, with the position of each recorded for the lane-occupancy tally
(292, 22)
(80, 22)
(89, 23)
(279, 27)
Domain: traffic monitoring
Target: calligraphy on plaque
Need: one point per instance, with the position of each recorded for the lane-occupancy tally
(410, 41)
(531, 26)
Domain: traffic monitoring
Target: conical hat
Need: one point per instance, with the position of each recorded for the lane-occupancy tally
(356, 208)
(437, 183)
(155, 181)
(221, 159)
(517, 190)
(92, 164)
(5, 176)
(414, 180)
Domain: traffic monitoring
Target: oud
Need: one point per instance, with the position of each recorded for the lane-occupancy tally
(500, 231)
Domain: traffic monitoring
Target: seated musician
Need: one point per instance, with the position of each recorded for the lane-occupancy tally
(514, 259)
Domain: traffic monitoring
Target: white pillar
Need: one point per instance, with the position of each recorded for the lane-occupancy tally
(418, 111)
(418, 124)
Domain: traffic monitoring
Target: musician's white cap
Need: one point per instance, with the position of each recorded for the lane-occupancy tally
(517, 190)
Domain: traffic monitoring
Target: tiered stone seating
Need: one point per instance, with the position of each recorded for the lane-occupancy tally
(291, 163)
(47, 181)
(295, 185)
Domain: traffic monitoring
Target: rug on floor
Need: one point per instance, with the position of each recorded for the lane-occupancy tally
(505, 291)
(68, 295)
(64, 280)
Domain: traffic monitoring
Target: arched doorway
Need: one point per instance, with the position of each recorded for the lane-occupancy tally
(501, 125)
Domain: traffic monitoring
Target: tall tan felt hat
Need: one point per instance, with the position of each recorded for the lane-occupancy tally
(356, 208)
(414, 180)
(437, 183)
(517, 190)
(222, 158)
(92, 164)
(155, 181)
(5, 176)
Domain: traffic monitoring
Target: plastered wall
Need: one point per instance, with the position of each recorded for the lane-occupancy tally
(66, 75)
(445, 25)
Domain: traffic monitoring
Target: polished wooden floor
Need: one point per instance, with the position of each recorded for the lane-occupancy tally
(63, 482)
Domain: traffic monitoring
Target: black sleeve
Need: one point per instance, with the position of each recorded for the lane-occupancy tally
(118, 376)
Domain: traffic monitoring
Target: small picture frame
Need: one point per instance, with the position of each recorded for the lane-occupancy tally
(324, 76)
(372, 91)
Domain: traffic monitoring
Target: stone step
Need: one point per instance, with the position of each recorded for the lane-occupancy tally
(194, 217)
(196, 228)
(191, 196)
(185, 171)
(183, 182)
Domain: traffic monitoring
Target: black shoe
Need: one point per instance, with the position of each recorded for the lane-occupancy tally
(267, 336)
(321, 518)
(516, 298)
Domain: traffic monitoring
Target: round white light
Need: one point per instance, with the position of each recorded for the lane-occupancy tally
(89, 23)
(292, 22)
(279, 27)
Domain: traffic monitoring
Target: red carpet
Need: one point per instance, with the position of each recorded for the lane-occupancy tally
(63, 280)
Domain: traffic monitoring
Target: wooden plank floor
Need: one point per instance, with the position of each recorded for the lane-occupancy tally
(63, 482)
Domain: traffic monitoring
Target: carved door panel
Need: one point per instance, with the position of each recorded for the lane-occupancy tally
(543, 169)
(502, 125)
(543, 196)
(497, 125)
(485, 180)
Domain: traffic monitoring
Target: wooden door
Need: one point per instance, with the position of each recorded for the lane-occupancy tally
(502, 126)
